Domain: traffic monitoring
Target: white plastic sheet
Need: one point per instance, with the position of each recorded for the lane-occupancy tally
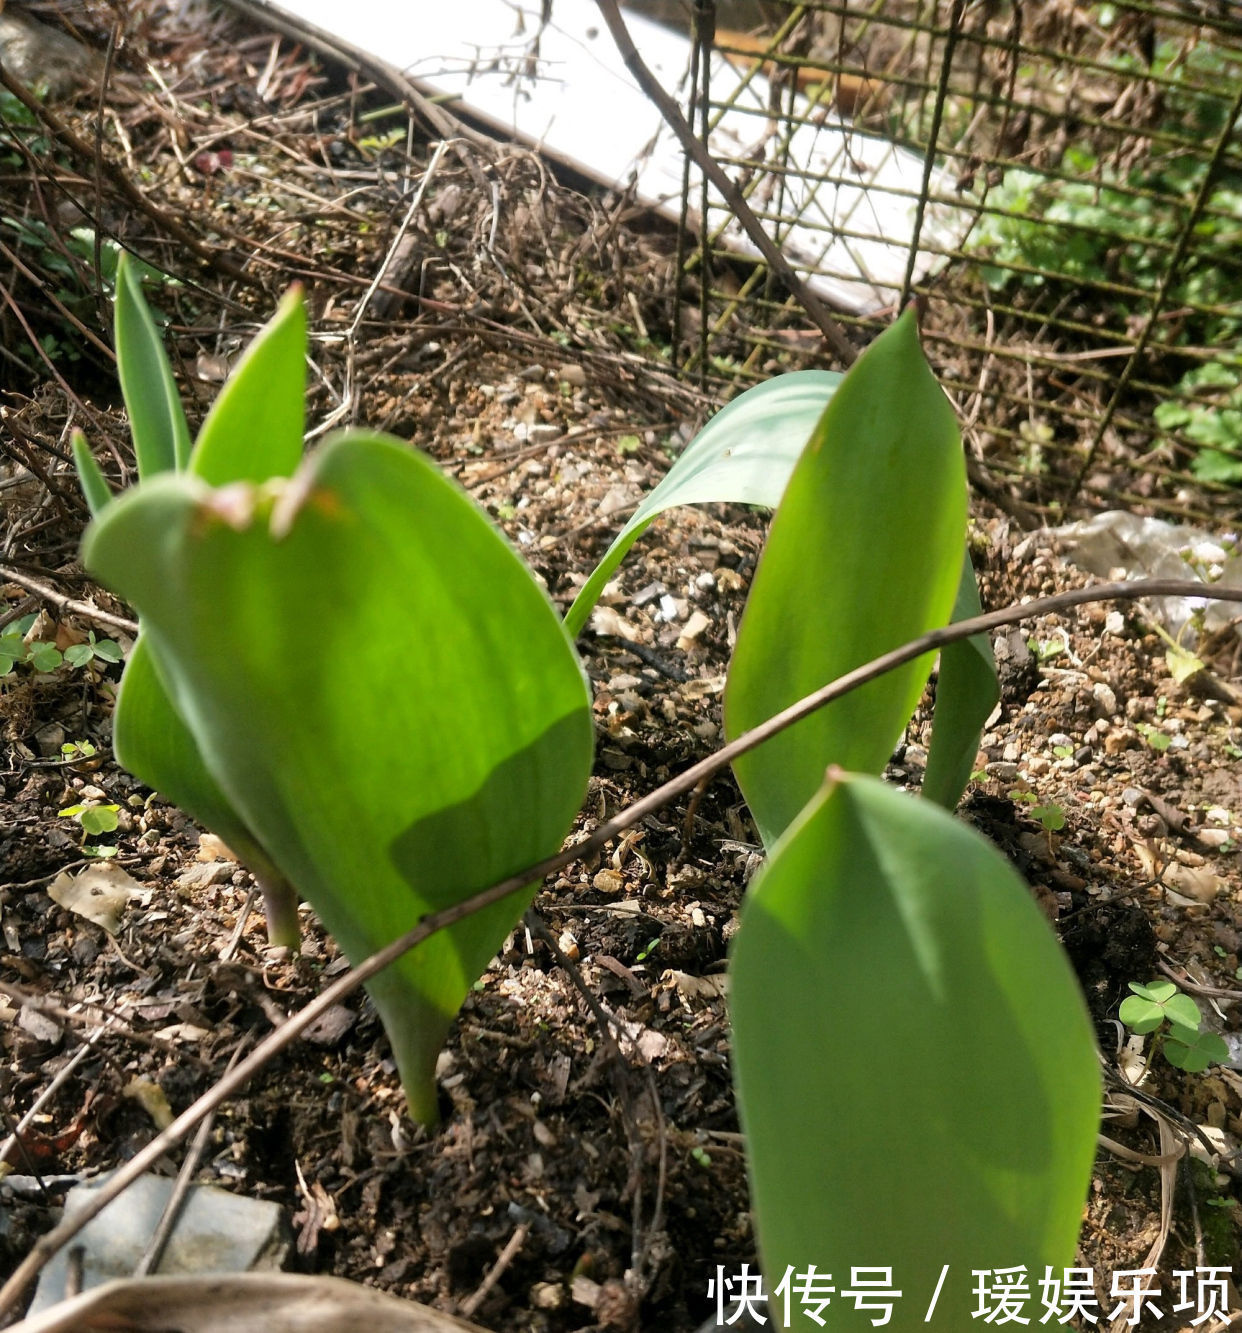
(562, 87)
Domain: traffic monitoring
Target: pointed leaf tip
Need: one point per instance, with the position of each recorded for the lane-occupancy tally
(156, 417)
(841, 581)
(95, 488)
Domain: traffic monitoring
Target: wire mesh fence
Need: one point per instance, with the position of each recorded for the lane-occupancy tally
(1067, 199)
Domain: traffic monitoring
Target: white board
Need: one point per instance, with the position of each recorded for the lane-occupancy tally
(562, 87)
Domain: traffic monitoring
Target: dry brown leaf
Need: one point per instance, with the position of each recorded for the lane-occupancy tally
(605, 621)
(240, 1303)
(1197, 883)
(696, 991)
(214, 848)
(150, 1096)
(98, 893)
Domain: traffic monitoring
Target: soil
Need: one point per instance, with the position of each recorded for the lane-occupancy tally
(514, 342)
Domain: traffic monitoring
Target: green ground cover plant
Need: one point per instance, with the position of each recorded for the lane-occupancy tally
(439, 738)
(1160, 1007)
(41, 656)
(1092, 221)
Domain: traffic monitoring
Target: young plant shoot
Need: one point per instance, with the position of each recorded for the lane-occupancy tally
(402, 729)
(346, 671)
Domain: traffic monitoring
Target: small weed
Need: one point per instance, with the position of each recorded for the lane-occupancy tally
(1161, 1008)
(648, 949)
(1157, 739)
(38, 656)
(1049, 813)
(43, 657)
(1045, 649)
(93, 650)
(93, 817)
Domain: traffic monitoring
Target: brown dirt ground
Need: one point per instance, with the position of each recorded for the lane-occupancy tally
(526, 370)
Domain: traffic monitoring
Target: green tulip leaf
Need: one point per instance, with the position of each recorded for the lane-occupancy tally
(255, 426)
(744, 455)
(401, 729)
(151, 740)
(95, 488)
(156, 418)
(864, 554)
(253, 432)
(916, 1071)
(967, 689)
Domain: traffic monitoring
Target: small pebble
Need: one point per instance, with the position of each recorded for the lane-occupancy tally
(1105, 699)
(548, 1296)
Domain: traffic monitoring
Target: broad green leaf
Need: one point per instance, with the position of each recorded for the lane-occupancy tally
(253, 432)
(433, 737)
(254, 429)
(95, 489)
(967, 689)
(151, 740)
(744, 455)
(156, 418)
(916, 1071)
(864, 554)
